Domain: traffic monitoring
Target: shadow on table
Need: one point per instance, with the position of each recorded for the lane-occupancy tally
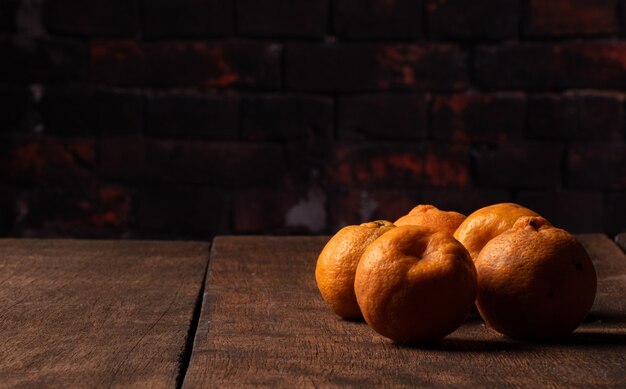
(600, 329)
(605, 318)
(595, 339)
(576, 340)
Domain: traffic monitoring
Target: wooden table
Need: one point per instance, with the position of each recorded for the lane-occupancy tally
(121, 314)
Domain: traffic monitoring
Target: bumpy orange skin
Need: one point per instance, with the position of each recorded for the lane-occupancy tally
(415, 285)
(430, 216)
(486, 223)
(336, 266)
(535, 281)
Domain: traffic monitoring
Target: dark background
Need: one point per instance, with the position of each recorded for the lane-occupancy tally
(183, 119)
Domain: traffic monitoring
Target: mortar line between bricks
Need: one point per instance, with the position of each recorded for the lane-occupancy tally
(430, 106)
(282, 63)
(562, 185)
(471, 74)
(336, 135)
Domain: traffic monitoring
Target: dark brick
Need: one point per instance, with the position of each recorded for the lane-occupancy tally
(615, 215)
(192, 116)
(19, 111)
(78, 111)
(607, 62)
(541, 66)
(572, 17)
(123, 159)
(325, 67)
(399, 165)
(94, 211)
(485, 19)
(280, 212)
(464, 201)
(282, 117)
(292, 18)
(116, 18)
(515, 66)
(578, 116)
(40, 60)
(518, 165)
(200, 64)
(52, 161)
(360, 206)
(469, 118)
(422, 67)
(262, 211)
(306, 161)
(188, 18)
(361, 67)
(189, 162)
(363, 19)
(8, 14)
(182, 212)
(383, 117)
(597, 166)
(577, 212)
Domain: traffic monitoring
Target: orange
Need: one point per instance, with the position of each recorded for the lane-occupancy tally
(486, 223)
(432, 217)
(415, 285)
(535, 281)
(337, 264)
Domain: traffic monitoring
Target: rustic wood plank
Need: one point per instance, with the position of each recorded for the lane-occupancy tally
(621, 240)
(96, 313)
(263, 323)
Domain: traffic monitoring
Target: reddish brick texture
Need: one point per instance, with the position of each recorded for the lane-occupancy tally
(155, 119)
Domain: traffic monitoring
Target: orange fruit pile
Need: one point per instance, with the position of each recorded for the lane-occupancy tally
(417, 279)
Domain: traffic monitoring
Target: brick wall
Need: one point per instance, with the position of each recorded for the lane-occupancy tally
(189, 118)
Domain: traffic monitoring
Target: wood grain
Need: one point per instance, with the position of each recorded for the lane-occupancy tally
(263, 323)
(96, 313)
